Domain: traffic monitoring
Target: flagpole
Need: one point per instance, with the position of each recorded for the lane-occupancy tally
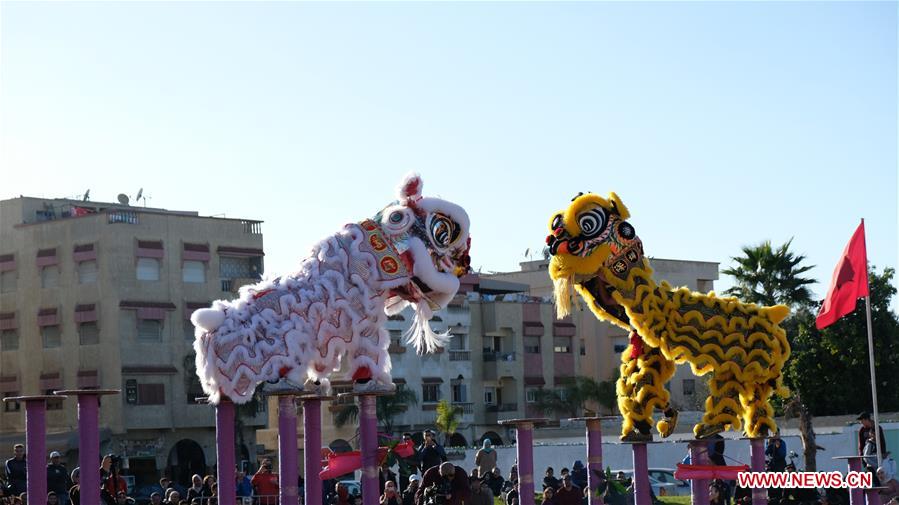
(871, 361)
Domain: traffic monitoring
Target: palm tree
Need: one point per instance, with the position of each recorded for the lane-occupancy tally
(387, 408)
(448, 419)
(574, 396)
(766, 275)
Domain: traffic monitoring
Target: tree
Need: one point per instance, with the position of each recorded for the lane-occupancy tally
(387, 408)
(448, 418)
(574, 396)
(829, 367)
(766, 275)
(794, 408)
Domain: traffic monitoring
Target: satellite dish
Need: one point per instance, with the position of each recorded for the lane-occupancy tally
(123, 198)
(87, 195)
(140, 193)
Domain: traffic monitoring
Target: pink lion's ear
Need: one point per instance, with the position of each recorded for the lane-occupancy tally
(410, 189)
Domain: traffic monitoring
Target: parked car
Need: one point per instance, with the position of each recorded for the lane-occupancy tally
(662, 482)
(354, 487)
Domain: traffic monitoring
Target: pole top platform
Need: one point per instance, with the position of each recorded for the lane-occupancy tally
(32, 398)
(641, 442)
(313, 396)
(853, 457)
(595, 418)
(86, 392)
(526, 420)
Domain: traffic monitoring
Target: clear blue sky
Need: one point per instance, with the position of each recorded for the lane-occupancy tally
(719, 124)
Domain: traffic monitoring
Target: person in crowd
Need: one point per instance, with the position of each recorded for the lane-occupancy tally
(75, 489)
(196, 489)
(155, 498)
(265, 483)
(485, 458)
(411, 489)
(408, 465)
(512, 496)
(432, 454)
(172, 497)
(341, 495)
(568, 493)
(549, 480)
(111, 481)
(390, 496)
(776, 452)
(512, 481)
(889, 484)
(208, 484)
(548, 495)
(52, 498)
(16, 473)
(866, 432)
(385, 475)
(579, 474)
(243, 485)
(562, 473)
(495, 481)
(480, 492)
(716, 493)
(446, 480)
(58, 479)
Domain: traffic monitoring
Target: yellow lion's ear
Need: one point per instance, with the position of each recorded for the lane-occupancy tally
(618, 205)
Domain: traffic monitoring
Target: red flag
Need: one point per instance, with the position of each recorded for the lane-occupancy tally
(849, 283)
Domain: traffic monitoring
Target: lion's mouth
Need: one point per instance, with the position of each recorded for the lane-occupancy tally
(602, 297)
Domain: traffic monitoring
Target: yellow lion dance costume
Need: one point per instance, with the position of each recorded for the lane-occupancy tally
(597, 253)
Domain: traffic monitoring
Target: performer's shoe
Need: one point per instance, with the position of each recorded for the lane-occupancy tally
(320, 387)
(666, 426)
(637, 436)
(282, 385)
(708, 430)
(372, 386)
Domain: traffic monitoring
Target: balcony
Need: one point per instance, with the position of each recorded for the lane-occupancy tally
(459, 355)
(232, 285)
(467, 407)
(507, 407)
(251, 227)
(501, 364)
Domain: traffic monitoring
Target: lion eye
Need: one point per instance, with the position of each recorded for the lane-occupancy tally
(557, 222)
(592, 222)
(443, 231)
(396, 217)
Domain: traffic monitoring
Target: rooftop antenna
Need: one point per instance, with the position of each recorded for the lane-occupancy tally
(123, 199)
(140, 194)
(87, 195)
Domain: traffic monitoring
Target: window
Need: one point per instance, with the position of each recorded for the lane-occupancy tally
(149, 330)
(562, 393)
(194, 272)
(620, 343)
(562, 344)
(342, 400)
(49, 276)
(430, 393)
(151, 394)
(583, 347)
(88, 333)
(490, 396)
(532, 345)
(87, 272)
(55, 403)
(12, 406)
(531, 394)
(396, 338)
(147, 269)
(189, 330)
(9, 340)
(459, 342)
(194, 390)
(460, 393)
(51, 336)
(689, 386)
(8, 281)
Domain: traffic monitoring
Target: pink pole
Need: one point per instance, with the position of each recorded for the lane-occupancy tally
(873, 497)
(224, 447)
(757, 460)
(525, 449)
(368, 433)
(287, 451)
(89, 446)
(699, 488)
(312, 443)
(36, 447)
(642, 495)
(594, 459)
(856, 495)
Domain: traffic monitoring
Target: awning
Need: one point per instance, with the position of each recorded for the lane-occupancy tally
(47, 317)
(534, 381)
(432, 380)
(7, 262)
(10, 384)
(50, 381)
(8, 321)
(195, 252)
(239, 251)
(84, 252)
(532, 329)
(46, 257)
(148, 370)
(85, 313)
(88, 379)
(149, 249)
(564, 329)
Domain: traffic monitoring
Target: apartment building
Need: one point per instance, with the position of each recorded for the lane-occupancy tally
(98, 295)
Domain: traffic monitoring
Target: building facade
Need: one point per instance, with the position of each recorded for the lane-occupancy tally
(98, 295)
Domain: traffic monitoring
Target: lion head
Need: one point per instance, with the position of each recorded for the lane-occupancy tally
(591, 243)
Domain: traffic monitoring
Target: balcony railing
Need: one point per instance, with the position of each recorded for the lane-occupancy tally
(122, 216)
(499, 356)
(459, 355)
(252, 227)
(508, 407)
(467, 407)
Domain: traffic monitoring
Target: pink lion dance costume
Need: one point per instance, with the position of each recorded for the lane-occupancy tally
(296, 328)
